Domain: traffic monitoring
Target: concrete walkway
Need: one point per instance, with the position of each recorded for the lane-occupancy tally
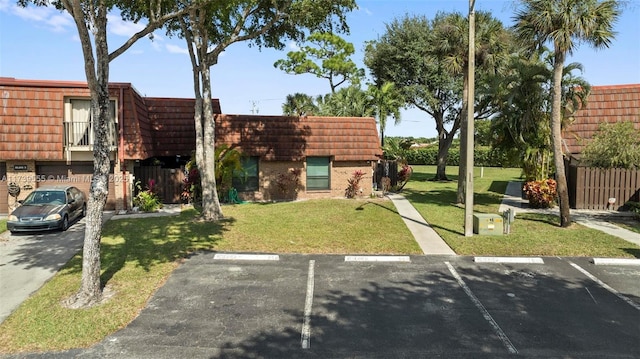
(592, 219)
(428, 240)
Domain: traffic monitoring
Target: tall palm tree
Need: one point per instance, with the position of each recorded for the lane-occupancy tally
(386, 102)
(566, 24)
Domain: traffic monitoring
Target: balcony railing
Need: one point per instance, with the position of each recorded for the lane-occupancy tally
(78, 135)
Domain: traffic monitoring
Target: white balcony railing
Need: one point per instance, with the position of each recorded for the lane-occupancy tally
(78, 135)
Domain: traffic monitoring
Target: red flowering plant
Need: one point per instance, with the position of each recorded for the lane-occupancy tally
(353, 184)
(541, 194)
(403, 176)
(191, 189)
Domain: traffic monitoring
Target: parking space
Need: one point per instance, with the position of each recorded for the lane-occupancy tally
(426, 306)
(552, 308)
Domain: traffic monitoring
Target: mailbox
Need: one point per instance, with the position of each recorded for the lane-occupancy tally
(487, 223)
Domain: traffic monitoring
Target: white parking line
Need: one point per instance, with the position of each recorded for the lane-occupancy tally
(605, 286)
(306, 323)
(616, 261)
(377, 259)
(503, 337)
(246, 257)
(519, 260)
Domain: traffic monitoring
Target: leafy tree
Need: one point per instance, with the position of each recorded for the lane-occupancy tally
(326, 57)
(492, 44)
(428, 61)
(90, 18)
(211, 29)
(299, 104)
(403, 56)
(615, 145)
(565, 24)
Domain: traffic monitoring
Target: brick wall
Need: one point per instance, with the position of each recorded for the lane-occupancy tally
(340, 174)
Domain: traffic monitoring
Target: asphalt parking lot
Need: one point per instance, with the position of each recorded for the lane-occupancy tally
(299, 306)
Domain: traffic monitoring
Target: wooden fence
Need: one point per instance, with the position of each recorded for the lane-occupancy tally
(591, 188)
(169, 182)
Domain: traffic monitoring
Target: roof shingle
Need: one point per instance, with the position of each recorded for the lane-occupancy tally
(605, 104)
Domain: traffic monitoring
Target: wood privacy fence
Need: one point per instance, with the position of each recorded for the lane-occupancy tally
(168, 181)
(591, 188)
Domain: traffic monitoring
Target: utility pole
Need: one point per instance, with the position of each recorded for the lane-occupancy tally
(468, 193)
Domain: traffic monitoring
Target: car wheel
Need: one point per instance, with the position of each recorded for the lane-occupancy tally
(84, 211)
(65, 223)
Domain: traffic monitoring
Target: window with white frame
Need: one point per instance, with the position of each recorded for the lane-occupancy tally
(79, 123)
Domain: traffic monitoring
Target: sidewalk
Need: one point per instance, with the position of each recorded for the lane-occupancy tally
(428, 240)
(592, 219)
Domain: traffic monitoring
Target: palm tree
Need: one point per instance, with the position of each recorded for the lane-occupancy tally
(522, 125)
(386, 101)
(492, 44)
(566, 24)
(299, 104)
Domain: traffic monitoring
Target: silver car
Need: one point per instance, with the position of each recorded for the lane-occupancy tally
(46, 208)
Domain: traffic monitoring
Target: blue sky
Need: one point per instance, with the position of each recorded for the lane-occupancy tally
(42, 43)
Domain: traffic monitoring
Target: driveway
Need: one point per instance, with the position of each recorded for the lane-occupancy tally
(302, 306)
(28, 260)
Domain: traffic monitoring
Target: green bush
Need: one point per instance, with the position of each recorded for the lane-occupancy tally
(147, 200)
(482, 156)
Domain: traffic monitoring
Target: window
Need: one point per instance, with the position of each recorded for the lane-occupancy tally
(318, 173)
(247, 179)
(79, 124)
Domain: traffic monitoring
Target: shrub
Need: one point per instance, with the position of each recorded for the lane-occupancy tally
(192, 189)
(353, 184)
(289, 182)
(404, 175)
(615, 145)
(147, 200)
(541, 194)
(632, 206)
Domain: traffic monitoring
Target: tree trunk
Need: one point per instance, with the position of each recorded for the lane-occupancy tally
(211, 209)
(556, 137)
(462, 168)
(443, 152)
(97, 73)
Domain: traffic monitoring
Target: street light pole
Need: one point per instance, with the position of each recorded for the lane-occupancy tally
(468, 193)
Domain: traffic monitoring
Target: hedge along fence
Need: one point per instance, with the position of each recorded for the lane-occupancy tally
(482, 156)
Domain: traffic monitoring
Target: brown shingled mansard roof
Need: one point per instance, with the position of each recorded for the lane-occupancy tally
(32, 116)
(609, 104)
(289, 138)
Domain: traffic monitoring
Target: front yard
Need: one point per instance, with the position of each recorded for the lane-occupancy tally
(138, 255)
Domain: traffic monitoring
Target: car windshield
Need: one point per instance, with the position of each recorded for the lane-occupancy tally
(45, 197)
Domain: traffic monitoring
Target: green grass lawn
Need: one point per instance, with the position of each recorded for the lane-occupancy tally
(531, 233)
(139, 254)
(3, 225)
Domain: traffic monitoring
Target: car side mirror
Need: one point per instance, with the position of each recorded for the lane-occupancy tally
(71, 201)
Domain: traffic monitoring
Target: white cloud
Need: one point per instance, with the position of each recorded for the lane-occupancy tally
(120, 27)
(175, 49)
(55, 20)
